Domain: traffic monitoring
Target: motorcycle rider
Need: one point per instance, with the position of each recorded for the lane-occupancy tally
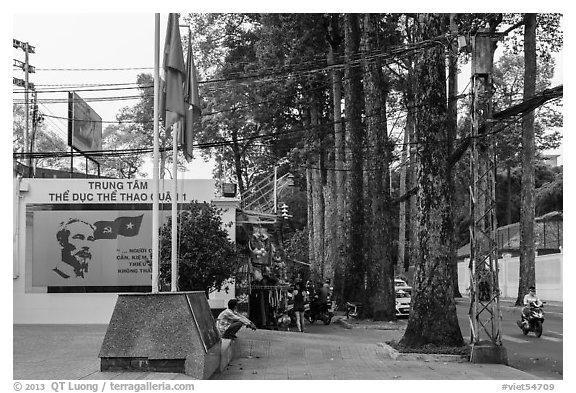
(529, 299)
(321, 298)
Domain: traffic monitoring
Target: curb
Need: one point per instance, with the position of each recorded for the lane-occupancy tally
(347, 325)
(344, 323)
(394, 354)
(391, 353)
(426, 357)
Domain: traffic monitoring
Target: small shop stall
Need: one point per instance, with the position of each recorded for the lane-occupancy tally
(262, 287)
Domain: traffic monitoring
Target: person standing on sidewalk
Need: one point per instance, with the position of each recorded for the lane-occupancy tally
(230, 321)
(299, 301)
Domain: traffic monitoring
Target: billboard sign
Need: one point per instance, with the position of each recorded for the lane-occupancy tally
(91, 248)
(84, 125)
(97, 232)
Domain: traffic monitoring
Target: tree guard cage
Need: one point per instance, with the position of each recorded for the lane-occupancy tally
(484, 313)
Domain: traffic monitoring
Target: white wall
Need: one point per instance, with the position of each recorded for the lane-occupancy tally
(549, 271)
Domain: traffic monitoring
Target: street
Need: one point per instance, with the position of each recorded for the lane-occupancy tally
(539, 356)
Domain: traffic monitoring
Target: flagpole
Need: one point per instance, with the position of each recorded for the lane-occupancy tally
(155, 178)
(174, 254)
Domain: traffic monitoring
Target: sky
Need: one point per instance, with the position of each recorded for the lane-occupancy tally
(88, 49)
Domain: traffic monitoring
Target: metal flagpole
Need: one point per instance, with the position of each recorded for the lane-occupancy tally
(174, 254)
(155, 179)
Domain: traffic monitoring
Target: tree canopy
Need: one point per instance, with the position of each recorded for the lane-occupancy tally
(207, 258)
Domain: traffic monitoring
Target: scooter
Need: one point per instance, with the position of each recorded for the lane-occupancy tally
(319, 312)
(534, 321)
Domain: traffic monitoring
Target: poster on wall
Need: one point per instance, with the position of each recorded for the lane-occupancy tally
(91, 248)
(96, 234)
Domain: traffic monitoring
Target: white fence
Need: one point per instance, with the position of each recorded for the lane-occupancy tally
(549, 271)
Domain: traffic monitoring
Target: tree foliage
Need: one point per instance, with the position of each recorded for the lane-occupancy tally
(207, 256)
(44, 140)
(270, 103)
(509, 86)
(134, 130)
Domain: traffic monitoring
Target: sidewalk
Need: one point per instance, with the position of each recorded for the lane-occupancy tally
(70, 352)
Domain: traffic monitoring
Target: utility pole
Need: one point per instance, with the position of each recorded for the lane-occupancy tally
(485, 316)
(28, 69)
(37, 118)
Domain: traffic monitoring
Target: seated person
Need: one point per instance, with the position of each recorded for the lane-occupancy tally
(529, 299)
(230, 321)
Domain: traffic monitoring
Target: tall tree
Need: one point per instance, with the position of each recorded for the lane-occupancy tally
(527, 198)
(433, 292)
(408, 209)
(336, 221)
(452, 131)
(318, 177)
(380, 297)
(355, 269)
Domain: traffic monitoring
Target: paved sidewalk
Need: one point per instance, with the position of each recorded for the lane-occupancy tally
(70, 352)
(292, 355)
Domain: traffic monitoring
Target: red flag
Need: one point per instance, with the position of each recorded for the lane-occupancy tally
(175, 72)
(192, 99)
(121, 226)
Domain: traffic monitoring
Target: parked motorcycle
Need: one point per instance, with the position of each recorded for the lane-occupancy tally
(534, 321)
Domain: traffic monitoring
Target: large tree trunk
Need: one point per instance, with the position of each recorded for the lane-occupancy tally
(336, 180)
(380, 296)
(309, 198)
(508, 194)
(318, 208)
(410, 129)
(452, 131)
(527, 203)
(413, 178)
(402, 208)
(355, 271)
(330, 223)
(433, 317)
(237, 151)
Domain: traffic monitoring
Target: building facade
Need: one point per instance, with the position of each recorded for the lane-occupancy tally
(77, 243)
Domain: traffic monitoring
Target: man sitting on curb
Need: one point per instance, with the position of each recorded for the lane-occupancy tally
(230, 321)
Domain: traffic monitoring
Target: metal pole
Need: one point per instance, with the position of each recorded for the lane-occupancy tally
(34, 128)
(174, 254)
(485, 308)
(26, 98)
(155, 181)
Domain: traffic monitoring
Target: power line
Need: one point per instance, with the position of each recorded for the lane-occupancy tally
(96, 69)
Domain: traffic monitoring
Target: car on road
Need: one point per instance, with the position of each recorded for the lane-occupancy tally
(401, 284)
(403, 301)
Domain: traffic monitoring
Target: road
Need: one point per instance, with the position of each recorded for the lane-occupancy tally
(541, 357)
(538, 356)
